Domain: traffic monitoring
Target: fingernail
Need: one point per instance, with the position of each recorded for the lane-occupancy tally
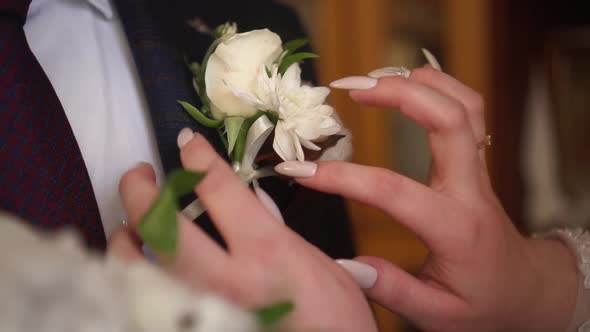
(354, 83)
(431, 59)
(364, 274)
(390, 71)
(184, 136)
(297, 169)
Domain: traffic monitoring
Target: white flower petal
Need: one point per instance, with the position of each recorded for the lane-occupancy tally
(309, 144)
(245, 97)
(314, 96)
(283, 143)
(237, 60)
(311, 126)
(342, 150)
(266, 89)
(325, 110)
(291, 80)
(298, 147)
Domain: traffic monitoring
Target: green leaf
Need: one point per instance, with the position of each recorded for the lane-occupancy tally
(233, 125)
(238, 151)
(293, 58)
(158, 228)
(295, 44)
(270, 315)
(200, 117)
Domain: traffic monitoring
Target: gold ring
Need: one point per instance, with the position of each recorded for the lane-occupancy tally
(484, 143)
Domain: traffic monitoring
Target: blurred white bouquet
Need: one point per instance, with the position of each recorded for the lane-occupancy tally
(49, 283)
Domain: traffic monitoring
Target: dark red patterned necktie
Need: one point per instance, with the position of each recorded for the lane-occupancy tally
(43, 178)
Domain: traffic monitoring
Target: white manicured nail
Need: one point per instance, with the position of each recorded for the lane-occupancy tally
(431, 59)
(184, 136)
(391, 71)
(354, 83)
(364, 274)
(297, 169)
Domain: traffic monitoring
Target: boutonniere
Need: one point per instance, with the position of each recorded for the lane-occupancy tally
(251, 92)
(253, 77)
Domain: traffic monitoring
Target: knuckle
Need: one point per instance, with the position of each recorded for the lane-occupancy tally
(218, 177)
(193, 146)
(471, 231)
(424, 73)
(455, 117)
(475, 104)
(197, 154)
(383, 184)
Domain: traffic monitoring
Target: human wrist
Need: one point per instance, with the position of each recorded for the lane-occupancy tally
(553, 289)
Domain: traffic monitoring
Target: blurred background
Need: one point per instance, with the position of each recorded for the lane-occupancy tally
(529, 59)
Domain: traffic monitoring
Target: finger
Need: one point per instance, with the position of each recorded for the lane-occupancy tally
(453, 145)
(414, 299)
(125, 244)
(199, 259)
(402, 198)
(232, 206)
(449, 86)
(139, 191)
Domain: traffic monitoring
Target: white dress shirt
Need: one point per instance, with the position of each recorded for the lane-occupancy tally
(82, 48)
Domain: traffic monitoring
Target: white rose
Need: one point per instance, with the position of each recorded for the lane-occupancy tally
(236, 62)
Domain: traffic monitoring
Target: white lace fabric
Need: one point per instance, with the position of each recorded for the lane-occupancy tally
(578, 240)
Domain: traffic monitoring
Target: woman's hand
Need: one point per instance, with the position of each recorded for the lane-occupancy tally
(481, 274)
(265, 262)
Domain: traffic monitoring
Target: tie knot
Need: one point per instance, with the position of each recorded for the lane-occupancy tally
(18, 8)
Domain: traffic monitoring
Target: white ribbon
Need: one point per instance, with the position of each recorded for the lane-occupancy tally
(257, 135)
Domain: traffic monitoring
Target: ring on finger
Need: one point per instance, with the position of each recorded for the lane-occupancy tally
(391, 71)
(485, 142)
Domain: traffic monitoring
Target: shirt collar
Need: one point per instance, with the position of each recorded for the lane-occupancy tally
(102, 6)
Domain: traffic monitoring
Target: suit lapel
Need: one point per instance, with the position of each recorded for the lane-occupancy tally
(164, 76)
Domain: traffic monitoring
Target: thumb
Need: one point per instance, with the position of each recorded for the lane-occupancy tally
(400, 292)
